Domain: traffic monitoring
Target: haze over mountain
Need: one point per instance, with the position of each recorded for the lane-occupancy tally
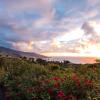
(15, 53)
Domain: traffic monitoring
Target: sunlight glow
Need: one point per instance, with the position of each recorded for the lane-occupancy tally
(89, 51)
(60, 54)
(96, 27)
(72, 35)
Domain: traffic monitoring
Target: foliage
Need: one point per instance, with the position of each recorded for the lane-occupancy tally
(25, 79)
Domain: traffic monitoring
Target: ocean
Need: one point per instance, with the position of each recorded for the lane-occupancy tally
(78, 60)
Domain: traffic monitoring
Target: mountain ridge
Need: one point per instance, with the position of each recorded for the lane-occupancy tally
(15, 53)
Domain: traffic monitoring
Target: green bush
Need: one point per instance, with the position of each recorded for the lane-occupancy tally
(27, 80)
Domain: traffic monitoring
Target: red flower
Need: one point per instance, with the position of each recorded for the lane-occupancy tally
(98, 90)
(66, 98)
(50, 91)
(55, 78)
(60, 94)
(30, 89)
(78, 83)
(46, 81)
(56, 85)
(18, 94)
(88, 82)
(72, 97)
(76, 79)
(65, 78)
(94, 69)
(62, 80)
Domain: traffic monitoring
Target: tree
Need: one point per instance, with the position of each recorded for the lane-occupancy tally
(98, 60)
(66, 62)
(32, 60)
(41, 61)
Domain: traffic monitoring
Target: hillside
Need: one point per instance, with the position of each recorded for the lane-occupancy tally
(15, 53)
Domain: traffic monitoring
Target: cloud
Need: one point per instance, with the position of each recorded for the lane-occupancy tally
(91, 28)
(90, 40)
(93, 2)
(22, 5)
(88, 43)
(50, 25)
(88, 29)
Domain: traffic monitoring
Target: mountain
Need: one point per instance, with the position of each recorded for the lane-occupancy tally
(15, 53)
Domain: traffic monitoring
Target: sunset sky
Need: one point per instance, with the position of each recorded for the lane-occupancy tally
(51, 27)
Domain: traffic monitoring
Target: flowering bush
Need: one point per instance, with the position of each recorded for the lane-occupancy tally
(30, 81)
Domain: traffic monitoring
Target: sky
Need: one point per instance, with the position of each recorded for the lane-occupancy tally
(51, 27)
